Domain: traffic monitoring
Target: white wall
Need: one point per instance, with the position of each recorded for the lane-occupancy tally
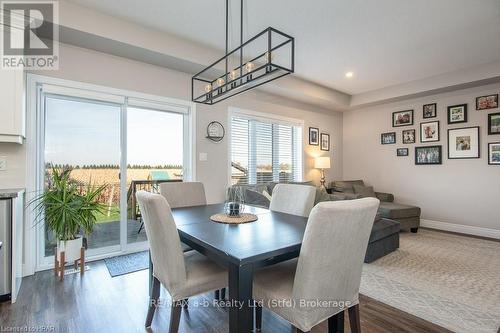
(89, 66)
(463, 192)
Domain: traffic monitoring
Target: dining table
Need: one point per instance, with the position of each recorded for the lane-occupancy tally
(242, 248)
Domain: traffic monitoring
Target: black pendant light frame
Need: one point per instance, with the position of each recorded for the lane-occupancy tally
(217, 76)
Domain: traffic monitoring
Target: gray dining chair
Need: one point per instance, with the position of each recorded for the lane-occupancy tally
(183, 194)
(187, 194)
(293, 199)
(183, 274)
(328, 269)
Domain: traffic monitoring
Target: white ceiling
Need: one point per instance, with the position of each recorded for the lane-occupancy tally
(384, 42)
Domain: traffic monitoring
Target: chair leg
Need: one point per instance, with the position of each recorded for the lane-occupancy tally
(354, 320)
(175, 317)
(296, 330)
(336, 323)
(258, 317)
(217, 294)
(153, 301)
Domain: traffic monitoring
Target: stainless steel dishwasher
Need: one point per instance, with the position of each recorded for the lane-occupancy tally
(5, 251)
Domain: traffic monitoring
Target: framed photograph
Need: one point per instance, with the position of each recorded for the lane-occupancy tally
(428, 155)
(487, 102)
(314, 136)
(402, 152)
(388, 138)
(457, 114)
(409, 136)
(402, 118)
(463, 142)
(494, 123)
(494, 153)
(430, 110)
(429, 132)
(325, 141)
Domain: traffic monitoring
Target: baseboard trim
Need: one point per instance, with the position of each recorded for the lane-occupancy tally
(462, 229)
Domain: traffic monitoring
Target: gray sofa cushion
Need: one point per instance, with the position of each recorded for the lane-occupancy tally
(364, 191)
(321, 195)
(394, 211)
(256, 198)
(346, 186)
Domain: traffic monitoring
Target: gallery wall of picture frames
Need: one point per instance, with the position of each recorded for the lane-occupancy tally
(319, 139)
(462, 142)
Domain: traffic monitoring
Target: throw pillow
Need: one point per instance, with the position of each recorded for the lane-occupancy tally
(321, 195)
(267, 195)
(256, 198)
(340, 186)
(364, 191)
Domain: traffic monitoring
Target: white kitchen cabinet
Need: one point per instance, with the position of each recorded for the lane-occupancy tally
(12, 110)
(12, 113)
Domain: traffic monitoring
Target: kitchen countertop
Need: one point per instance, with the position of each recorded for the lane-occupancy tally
(9, 193)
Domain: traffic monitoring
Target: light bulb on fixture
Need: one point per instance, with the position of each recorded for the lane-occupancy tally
(349, 74)
(249, 68)
(268, 57)
(233, 75)
(220, 83)
(208, 90)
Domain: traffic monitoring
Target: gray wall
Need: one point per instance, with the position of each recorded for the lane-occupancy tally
(88, 66)
(464, 192)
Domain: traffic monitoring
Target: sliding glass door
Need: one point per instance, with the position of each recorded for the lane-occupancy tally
(126, 142)
(155, 154)
(83, 137)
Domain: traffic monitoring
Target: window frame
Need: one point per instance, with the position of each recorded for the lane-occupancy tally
(263, 117)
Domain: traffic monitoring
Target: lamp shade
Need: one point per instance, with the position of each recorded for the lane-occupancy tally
(322, 162)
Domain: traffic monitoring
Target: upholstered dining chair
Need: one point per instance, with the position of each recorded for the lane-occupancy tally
(293, 199)
(186, 194)
(183, 194)
(327, 270)
(182, 274)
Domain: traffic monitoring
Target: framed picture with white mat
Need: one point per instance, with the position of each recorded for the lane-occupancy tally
(463, 142)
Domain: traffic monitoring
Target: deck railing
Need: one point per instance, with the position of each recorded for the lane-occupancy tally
(133, 212)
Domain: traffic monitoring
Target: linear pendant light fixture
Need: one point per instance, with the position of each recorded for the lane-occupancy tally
(263, 58)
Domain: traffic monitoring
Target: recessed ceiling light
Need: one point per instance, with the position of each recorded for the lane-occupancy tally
(349, 74)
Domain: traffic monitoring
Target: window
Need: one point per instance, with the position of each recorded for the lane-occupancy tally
(264, 150)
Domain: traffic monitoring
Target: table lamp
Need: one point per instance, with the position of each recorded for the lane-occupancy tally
(322, 163)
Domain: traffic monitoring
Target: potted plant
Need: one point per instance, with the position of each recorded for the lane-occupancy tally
(68, 212)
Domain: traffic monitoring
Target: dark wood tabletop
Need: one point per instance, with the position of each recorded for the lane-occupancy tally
(273, 238)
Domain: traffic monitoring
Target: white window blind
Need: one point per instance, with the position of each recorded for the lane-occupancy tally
(264, 151)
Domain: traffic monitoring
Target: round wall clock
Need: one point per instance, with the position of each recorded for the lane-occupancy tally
(215, 131)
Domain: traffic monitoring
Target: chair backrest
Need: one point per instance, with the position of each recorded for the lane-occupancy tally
(293, 199)
(333, 250)
(183, 194)
(164, 242)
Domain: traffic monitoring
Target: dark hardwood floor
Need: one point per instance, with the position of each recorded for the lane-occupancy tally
(99, 303)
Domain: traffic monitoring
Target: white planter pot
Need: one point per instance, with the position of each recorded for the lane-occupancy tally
(71, 249)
